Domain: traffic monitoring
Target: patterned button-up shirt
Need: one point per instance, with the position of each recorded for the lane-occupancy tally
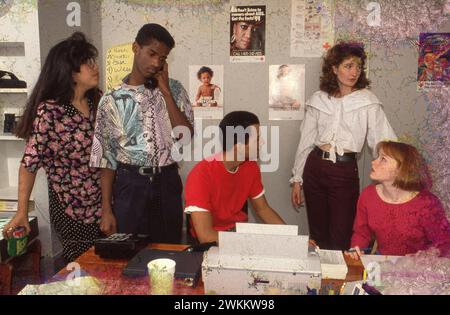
(133, 126)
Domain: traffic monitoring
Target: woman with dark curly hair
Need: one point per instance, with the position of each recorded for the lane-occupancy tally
(338, 120)
(58, 126)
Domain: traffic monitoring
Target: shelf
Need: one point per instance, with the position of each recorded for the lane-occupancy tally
(10, 193)
(9, 137)
(13, 91)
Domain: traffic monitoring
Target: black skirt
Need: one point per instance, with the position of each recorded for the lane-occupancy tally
(76, 238)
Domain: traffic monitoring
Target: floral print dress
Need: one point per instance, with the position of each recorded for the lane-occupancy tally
(61, 142)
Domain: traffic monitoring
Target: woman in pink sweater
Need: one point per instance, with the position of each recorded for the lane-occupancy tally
(399, 212)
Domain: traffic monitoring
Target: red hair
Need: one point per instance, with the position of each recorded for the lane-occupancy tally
(412, 171)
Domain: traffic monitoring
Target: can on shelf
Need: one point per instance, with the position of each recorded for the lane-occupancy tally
(17, 244)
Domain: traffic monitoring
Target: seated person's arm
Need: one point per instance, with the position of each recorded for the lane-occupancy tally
(265, 212)
(436, 226)
(203, 225)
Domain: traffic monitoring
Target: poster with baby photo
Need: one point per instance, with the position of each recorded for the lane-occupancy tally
(286, 92)
(206, 91)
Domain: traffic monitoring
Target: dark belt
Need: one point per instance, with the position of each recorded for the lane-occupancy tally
(347, 157)
(149, 170)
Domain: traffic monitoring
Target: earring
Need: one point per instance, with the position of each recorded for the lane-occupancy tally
(233, 38)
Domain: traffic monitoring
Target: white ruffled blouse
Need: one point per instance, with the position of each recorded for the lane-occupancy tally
(344, 123)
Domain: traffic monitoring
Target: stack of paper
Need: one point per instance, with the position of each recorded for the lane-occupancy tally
(75, 286)
(333, 264)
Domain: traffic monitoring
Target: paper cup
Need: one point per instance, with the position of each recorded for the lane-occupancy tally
(161, 274)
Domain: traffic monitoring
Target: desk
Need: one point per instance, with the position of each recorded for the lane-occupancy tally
(109, 272)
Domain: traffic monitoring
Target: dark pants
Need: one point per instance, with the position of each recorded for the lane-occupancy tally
(149, 207)
(331, 193)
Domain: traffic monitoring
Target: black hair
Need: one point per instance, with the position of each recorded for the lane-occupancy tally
(237, 122)
(203, 70)
(153, 31)
(55, 81)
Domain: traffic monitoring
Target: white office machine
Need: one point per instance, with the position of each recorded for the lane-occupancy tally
(261, 259)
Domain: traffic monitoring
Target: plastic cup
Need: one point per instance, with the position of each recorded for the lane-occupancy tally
(161, 274)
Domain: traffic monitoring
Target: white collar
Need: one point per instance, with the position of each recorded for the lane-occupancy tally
(355, 100)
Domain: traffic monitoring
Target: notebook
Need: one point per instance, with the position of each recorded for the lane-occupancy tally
(188, 264)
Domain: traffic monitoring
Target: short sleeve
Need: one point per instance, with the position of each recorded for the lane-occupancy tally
(103, 153)
(39, 144)
(257, 189)
(181, 98)
(197, 192)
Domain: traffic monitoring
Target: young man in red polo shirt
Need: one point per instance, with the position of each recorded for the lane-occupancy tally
(218, 187)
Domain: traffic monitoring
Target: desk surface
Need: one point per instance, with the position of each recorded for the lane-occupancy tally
(109, 272)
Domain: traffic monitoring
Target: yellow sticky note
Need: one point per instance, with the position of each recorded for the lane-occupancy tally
(119, 62)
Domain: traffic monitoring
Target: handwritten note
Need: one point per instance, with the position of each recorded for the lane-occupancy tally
(119, 61)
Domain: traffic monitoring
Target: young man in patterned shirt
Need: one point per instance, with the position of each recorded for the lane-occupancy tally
(141, 187)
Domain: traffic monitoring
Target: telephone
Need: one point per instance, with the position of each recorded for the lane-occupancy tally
(120, 245)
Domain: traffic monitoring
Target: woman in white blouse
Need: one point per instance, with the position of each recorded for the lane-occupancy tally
(338, 120)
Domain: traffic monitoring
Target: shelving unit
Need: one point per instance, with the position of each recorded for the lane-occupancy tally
(18, 27)
(21, 25)
(9, 137)
(10, 193)
(13, 91)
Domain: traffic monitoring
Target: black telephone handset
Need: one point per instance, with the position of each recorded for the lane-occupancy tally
(152, 82)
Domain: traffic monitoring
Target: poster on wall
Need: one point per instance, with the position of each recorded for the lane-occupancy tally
(247, 33)
(206, 91)
(434, 61)
(312, 29)
(286, 92)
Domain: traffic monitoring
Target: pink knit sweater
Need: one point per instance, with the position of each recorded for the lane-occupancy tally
(401, 229)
